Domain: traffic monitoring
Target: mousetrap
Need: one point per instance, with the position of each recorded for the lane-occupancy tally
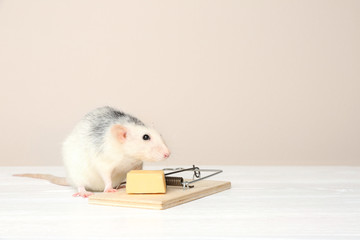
(179, 190)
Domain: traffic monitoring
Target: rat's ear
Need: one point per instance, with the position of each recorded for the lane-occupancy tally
(119, 132)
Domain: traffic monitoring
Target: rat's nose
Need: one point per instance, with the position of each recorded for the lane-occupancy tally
(166, 155)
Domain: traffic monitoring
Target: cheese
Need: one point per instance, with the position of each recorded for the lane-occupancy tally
(145, 181)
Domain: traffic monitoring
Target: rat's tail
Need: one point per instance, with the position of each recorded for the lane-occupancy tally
(53, 179)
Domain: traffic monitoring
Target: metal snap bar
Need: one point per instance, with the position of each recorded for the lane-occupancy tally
(179, 181)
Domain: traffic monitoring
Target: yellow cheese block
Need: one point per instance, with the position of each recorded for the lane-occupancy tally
(145, 181)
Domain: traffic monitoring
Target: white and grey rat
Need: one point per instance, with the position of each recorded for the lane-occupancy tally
(103, 147)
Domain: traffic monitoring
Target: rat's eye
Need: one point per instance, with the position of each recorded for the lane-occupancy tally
(146, 137)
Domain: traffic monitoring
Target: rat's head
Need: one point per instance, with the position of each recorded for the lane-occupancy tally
(140, 142)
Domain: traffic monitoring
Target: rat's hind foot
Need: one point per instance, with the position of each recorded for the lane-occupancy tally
(82, 193)
(110, 190)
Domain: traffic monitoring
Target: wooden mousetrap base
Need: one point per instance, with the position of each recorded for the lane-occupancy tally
(174, 196)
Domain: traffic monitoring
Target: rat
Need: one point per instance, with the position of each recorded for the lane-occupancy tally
(105, 145)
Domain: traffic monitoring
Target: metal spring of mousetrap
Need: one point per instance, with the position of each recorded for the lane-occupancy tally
(179, 181)
(174, 181)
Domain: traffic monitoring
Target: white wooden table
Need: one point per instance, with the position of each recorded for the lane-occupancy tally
(264, 203)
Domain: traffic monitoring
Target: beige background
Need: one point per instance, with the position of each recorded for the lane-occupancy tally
(225, 82)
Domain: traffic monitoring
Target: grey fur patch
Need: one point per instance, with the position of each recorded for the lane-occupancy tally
(101, 119)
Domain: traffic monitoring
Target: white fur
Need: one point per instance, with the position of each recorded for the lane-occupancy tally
(87, 167)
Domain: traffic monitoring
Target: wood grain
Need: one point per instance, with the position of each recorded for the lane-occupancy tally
(173, 197)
